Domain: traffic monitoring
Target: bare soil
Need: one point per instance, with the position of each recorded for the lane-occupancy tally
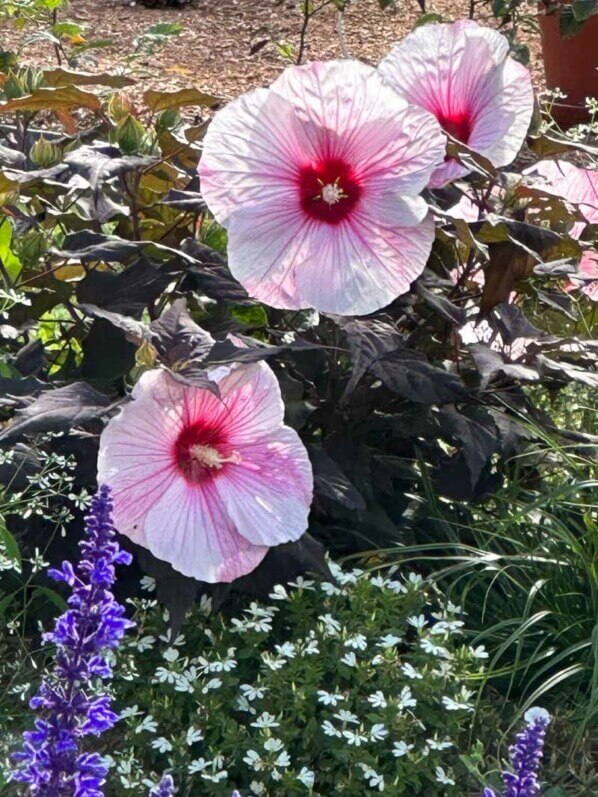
(229, 46)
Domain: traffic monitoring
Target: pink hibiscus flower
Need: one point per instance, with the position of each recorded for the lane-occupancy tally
(462, 73)
(578, 187)
(206, 483)
(317, 180)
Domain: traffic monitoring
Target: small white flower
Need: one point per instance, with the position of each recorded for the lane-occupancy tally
(379, 581)
(329, 729)
(349, 659)
(130, 711)
(253, 692)
(253, 759)
(357, 642)
(329, 699)
(347, 716)
(302, 583)
(205, 605)
(287, 649)
(256, 787)
(375, 780)
(164, 676)
(443, 777)
(193, 735)
(145, 643)
(279, 593)
(401, 748)
(377, 700)
(330, 589)
(161, 744)
(311, 648)
(307, 777)
(388, 641)
(354, 738)
(434, 744)
(148, 583)
(396, 586)
(216, 776)
(244, 705)
(455, 705)
(409, 671)
(406, 699)
(283, 760)
(148, 724)
(265, 720)
(332, 626)
(170, 654)
(273, 745)
(418, 622)
(434, 650)
(479, 653)
(213, 683)
(378, 732)
(536, 713)
(415, 580)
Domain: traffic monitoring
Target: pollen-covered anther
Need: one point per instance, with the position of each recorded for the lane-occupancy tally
(332, 193)
(210, 457)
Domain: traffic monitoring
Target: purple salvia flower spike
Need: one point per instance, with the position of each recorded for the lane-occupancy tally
(526, 756)
(164, 789)
(51, 762)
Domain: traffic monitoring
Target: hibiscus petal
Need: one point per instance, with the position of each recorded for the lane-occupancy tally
(253, 401)
(269, 493)
(349, 113)
(192, 529)
(462, 73)
(251, 153)
(380, 263)
(572, 183)
(503, 112)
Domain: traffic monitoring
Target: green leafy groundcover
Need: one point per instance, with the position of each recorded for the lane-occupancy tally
(339, 686)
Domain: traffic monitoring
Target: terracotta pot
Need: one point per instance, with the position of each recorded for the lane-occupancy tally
(571, 65)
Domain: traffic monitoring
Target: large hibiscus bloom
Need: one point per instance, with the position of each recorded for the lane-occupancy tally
(462, 73)
(207, 483)
(579, 187)
(317, 180)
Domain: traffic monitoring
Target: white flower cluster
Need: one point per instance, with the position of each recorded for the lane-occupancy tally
(360, 666)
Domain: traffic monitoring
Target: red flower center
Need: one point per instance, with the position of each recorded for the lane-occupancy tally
(457, 125)
(201, 452)
(328, 190)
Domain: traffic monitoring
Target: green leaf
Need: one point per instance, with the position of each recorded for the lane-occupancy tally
(9, 543)
(584, 9)
(11, 262)
(6, 601)
(52, 596)
(48, 99)
(161, 100)
(66, 77)
(67, 29)
(251, 316)
(426, 19)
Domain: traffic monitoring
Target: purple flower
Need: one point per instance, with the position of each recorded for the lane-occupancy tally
(526, 756)
(164, 789)
(51, 762)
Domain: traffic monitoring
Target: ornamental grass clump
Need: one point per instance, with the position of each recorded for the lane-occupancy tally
(69, 705)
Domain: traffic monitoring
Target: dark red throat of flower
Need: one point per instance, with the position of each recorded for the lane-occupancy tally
(201, 452)
(328, 190)
(457, 125)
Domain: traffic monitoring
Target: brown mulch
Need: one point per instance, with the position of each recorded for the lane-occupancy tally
(229, 46)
